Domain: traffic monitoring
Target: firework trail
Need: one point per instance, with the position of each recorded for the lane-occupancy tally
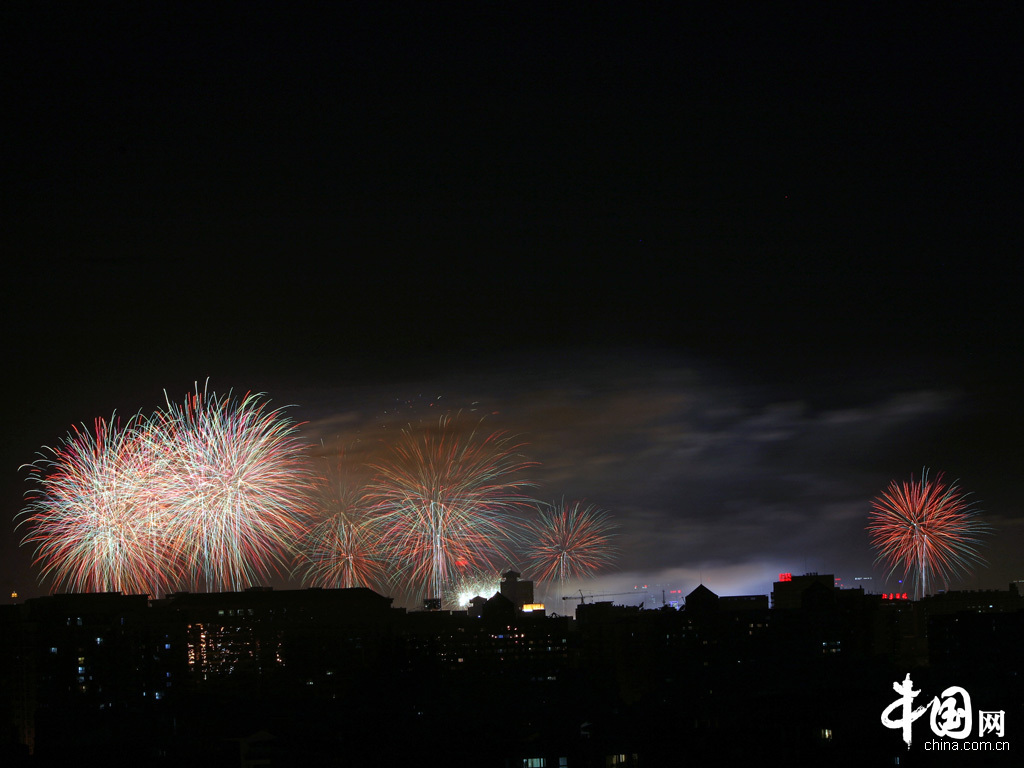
(570, 541)
(342, 550)
(445, 502)
(238, 480)
(94, 517)
(927, 527)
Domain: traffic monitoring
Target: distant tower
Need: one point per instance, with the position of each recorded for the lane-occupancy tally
(520, 593)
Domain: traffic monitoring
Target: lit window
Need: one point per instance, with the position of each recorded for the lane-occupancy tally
(534, 762)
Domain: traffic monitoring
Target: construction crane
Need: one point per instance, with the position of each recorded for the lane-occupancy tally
(583, 598)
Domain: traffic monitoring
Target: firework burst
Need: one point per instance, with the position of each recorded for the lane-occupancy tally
(342, 550)
(569, 541)
(210, 493)
(94, 518)
(339, 552)
(239, 482)
(927, 527)
(445, 502)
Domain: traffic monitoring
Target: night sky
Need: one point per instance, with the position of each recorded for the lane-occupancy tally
(726, 275)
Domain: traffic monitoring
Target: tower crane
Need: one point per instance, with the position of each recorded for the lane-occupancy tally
(583, 598)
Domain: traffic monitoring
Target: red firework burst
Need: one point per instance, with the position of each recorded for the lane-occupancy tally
(343, 549)
(570, 541)
(927, 527)
(444, 502)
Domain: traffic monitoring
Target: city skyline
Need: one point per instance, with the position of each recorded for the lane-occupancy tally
(807, 673)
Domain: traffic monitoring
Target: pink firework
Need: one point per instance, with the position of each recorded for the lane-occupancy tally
(209, 493)
(238, 479)
(94, 517)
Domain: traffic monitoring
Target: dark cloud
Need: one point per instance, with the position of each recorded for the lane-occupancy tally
(701, 470)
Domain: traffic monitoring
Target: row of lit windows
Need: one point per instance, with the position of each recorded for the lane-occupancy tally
(610, 761)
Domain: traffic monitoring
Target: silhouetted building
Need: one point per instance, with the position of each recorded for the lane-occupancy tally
(476, 606)
(788, 591)
(281, 678)
(974, 601)
(519, 593)
(701, 601)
